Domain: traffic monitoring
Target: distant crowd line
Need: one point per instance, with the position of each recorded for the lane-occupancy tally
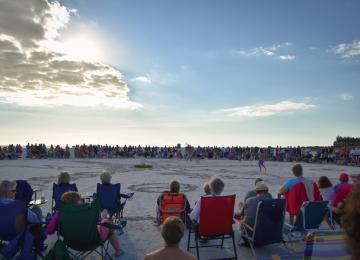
(336, 155)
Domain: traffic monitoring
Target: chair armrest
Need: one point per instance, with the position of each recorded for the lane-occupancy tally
(288, 226)
(247, 226)
(193, 222)
(110, 226)
(127, 195)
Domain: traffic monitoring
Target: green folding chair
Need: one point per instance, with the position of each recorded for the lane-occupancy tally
(78, 228)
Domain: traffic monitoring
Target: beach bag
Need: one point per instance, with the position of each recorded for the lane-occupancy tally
(58, 252)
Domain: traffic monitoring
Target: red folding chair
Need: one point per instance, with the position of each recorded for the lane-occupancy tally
(172, 204)
(215, 223)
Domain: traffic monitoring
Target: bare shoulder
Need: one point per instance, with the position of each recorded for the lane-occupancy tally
(152, 255)
(188, 256)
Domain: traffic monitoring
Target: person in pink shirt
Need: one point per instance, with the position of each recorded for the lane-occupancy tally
(72, 197)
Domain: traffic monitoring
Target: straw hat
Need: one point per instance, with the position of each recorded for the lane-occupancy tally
(261, 186)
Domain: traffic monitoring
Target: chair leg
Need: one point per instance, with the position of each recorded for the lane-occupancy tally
(188, 244)
(222, 242)
(234, 245)
(252, 248)
(197, 245)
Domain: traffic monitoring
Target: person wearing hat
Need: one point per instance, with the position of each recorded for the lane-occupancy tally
(248, 212)
(342, 191)
(252, 193)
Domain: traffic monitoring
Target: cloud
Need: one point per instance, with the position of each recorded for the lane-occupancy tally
(143, 79)
(31, 74)
(262, 110)
(347, 50)
(286, 57)
(272, 51)
(345, 96)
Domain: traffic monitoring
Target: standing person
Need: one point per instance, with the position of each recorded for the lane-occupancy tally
(261, 159)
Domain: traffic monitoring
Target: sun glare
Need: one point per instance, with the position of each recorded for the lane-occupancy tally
(82, 48)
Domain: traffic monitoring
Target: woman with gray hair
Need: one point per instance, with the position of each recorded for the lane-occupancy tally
(7, 194)
(216, 188)
(105, 178)
(34, 215)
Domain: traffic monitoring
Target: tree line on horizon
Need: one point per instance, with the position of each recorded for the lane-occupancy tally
(347, 141)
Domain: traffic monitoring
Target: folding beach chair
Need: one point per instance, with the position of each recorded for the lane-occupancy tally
(311, 215)
(110, 199)
(172, 204)
(326, 245)
(268, 227)
(78, 227)
(15, 237)
(215, 223)
(59, 190)
(297, 196)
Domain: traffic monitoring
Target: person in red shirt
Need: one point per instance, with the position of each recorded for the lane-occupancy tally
(342, 190)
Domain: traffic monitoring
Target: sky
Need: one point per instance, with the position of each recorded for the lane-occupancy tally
(199, 72)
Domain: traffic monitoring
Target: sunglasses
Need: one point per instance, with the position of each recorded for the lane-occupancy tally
(13, 191)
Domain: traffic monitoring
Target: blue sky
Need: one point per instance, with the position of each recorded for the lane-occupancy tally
(167, 72)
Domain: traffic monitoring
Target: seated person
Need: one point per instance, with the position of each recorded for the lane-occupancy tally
(216, 188)
(175, 189)
(72, 197)
(34, 215)
(172, 231)
(342, 190)
(207, 190)
(7, 194)
(326, 188)
(252, 193)
(248, 212)
(63, 178)
(289, 184)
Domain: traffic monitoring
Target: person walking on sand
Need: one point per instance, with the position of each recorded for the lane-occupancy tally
(261, 159)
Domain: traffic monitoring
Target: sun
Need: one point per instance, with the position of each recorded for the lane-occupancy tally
(83, 48)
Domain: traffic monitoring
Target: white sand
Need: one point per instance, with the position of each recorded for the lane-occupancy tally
(141, 235)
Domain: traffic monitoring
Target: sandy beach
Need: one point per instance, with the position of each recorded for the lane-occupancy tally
(141, 236)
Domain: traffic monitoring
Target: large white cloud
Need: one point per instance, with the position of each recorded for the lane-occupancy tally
(263, 110)
(31, 74)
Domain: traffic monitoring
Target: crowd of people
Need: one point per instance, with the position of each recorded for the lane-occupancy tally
(344, 155)
(343, 197)
(10, 152)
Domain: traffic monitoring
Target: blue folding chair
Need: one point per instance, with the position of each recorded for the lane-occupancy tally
(58, 191)
(15, 237)
(110, 198)
(311, 215)
(268, 227)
